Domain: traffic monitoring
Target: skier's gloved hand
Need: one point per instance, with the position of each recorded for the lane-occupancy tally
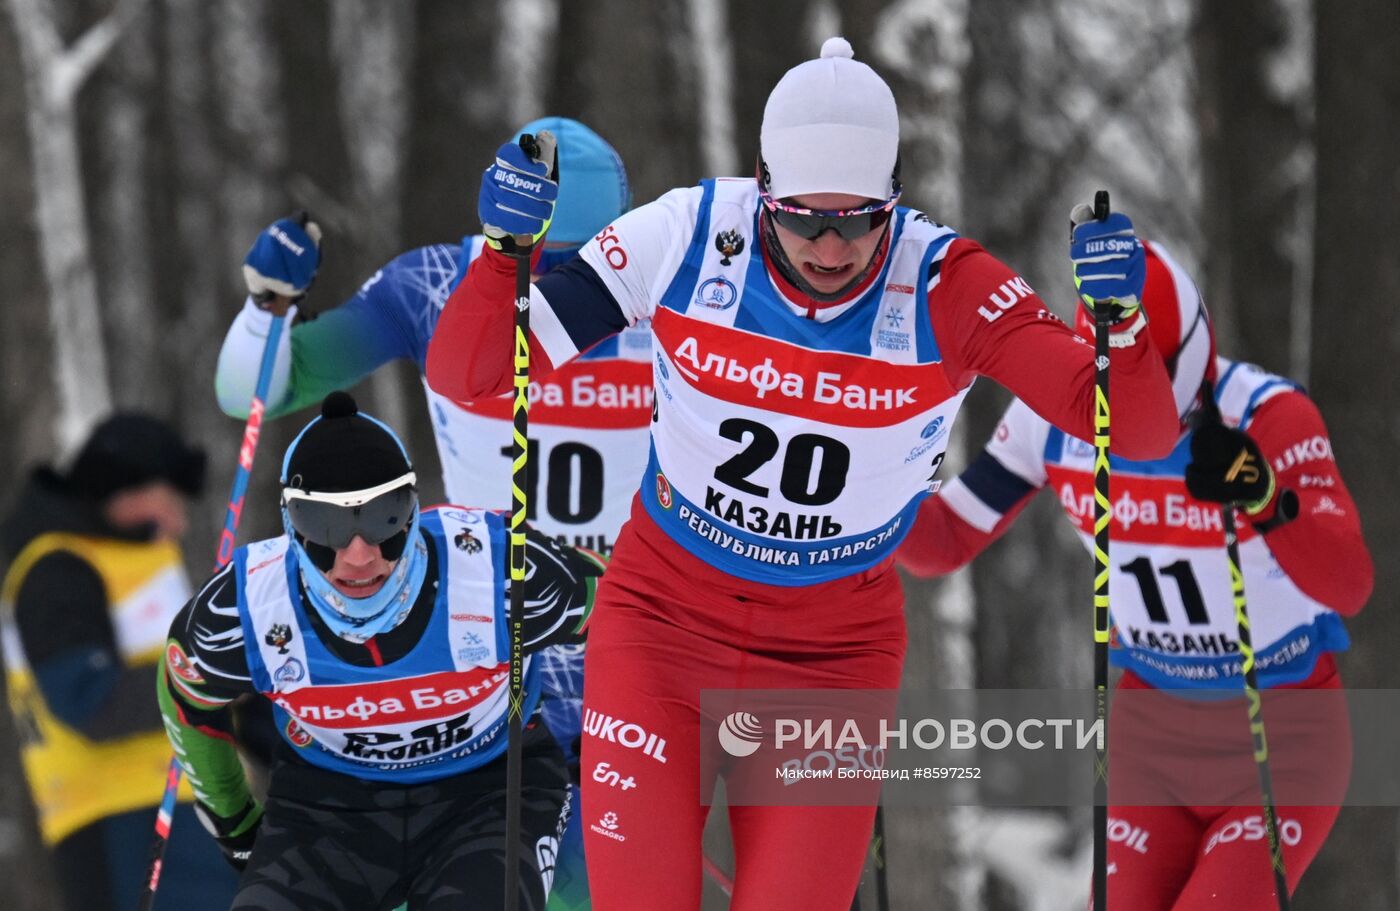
(518, 191)
(1227, 466)
(282, 262)
(234, 834)
(1109, 265)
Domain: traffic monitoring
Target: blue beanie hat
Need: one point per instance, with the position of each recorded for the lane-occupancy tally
(593, 189)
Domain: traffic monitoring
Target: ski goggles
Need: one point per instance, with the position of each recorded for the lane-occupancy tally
(263, 298)
(333, 520)
(809, 224)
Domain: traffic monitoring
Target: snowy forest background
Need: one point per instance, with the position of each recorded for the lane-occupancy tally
(143, 143)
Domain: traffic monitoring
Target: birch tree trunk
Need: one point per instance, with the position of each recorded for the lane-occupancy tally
(248, 89)
(53, 75)
(238, 164)
(458, 117)
(712, 59)
(624, 69)
(1356, 368)
(127, 260)
(372, 51)
(27, 398)
(204, 300)
(769, 38)
(74, 362)
(1255, 93)
(525, 57)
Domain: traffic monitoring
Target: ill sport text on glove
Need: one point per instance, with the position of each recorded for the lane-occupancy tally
(518, 191)
(1110, 265)
(282, 262)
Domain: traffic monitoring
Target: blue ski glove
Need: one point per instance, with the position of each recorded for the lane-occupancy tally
(284, 259)
(1109, 262)
(518, 191)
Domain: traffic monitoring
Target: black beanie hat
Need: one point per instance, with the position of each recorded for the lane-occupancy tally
(343, 450)
(130, 449)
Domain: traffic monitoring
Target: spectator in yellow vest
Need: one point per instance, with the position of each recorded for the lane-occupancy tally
(93, 577)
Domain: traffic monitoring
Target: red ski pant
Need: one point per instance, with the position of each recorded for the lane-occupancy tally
(1216, 858)
(667, 626)
(1207, 858)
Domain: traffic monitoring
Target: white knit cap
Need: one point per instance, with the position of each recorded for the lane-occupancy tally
(830, 126)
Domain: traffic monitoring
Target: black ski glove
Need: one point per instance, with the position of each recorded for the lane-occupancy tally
(235, 834)
(1227, 466)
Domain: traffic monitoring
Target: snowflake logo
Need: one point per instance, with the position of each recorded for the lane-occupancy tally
(895, 318)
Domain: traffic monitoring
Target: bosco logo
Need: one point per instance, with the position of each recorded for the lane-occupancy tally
(716, 293)
(610, 245)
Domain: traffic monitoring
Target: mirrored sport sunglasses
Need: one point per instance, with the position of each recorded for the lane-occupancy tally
(809, 224)
(334, 519)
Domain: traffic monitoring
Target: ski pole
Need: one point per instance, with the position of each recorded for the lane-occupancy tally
(520, 453)
(726, 885)
(1210, 412)
(232, 514)
(1102, 517)
(877, 853)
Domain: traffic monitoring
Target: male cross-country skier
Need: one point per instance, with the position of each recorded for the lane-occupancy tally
(588, 422)
(813, 342)
(378, 631)
(1305, 566)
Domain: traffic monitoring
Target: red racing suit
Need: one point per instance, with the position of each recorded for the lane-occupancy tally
(792, 442)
